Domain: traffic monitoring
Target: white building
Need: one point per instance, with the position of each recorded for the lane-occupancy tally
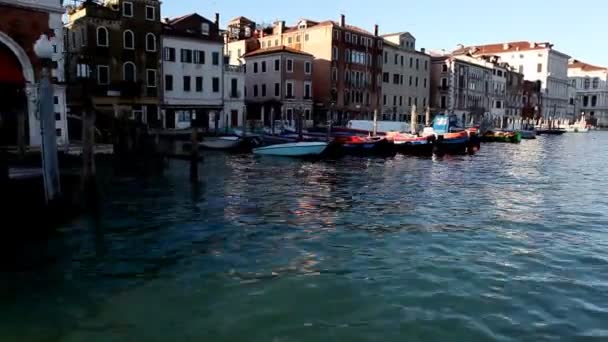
(193, 72)
(590, 84)
(16, 44)
(234, 96)
(406, 77)
(537, 62)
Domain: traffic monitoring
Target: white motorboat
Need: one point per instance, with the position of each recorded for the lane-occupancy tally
(221, 143)
(297, 149)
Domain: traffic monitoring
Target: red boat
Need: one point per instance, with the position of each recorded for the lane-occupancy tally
(357, 145)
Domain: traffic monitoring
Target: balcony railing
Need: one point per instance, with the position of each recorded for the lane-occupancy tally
(233, 68)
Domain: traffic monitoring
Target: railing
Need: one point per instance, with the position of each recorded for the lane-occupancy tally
(233, 68)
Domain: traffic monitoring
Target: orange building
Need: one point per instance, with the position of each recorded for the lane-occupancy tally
(347, 67)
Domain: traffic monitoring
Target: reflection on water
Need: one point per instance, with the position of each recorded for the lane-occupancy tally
(507, 244)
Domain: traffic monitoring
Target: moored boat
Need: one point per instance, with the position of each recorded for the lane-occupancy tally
(502, 136)
(356, 145)
(528, 134)
(297, 149)
(220, 143)
(412, 144)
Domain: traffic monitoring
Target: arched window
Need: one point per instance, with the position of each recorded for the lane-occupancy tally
(128, 40)
(102, 36)
(150, 42)
(128, 72)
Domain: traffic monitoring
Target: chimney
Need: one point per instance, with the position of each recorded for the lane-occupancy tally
(217, 20)
(532, 44)
(505, 46)
(376, 30)
(423, 50)
(342, 20)
(166, 20)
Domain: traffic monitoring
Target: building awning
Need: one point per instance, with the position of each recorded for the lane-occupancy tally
(10, 70)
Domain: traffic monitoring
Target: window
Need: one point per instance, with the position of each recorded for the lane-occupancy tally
(409, 101)
(334, 54)
(186, 56)
(416, 81)
(150, 42)
(596, 82)
(263, 89)
(347, 37)
(55, 100)
(401, 80)
(587, 82)
(402, 60)
(498, 104)
(424, 102)
(198, 84)
(234, 84)
(521, 69)
(385, 57)
(306, 37)
(151, 78)
(103, 74)
(150, 13)
(395, 78)
(263, 45)
(83, 71)
(128, 40)
(415, 101)
(128, 72)
(396, 59)
(127, 9)
(426, 65)
(187, 83)
(297, 38)
(539, 67)
(394, 100)
(443, 102)
(307, 68)
(334, 74)
(412, 64)
(215, 56)
(255, 90)
(54, 48)
(593, 101)
(347, 56)
(290, 65)
(417, 64)
(255, 67)
(276, 42)
(205, 29)
(385, 77)
(169, 82)
(57, 116)
(58, 132)
(102, 36)
(289, 90)
(216, 84)
(307, 90)
(424, 82)
(355, 39)
(277, 89)
(169, 54)
(380, 44)
(289, 40)
(384, 100)
(199, 57)
(263, 66)
(411, 78)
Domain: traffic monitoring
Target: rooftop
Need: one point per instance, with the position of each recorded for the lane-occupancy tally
(505, 47)
(576, 64)
(275, 49)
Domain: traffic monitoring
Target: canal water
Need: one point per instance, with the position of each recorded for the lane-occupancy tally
(508, 244)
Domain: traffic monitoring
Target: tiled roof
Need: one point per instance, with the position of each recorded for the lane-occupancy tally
(505, 47)
(576, 64)
(275, 49)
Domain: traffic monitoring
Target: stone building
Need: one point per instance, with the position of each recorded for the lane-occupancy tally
(21, 25)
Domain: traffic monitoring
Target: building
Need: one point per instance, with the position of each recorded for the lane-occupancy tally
(21, 25)
(347, 67)
(461, 85)
(279, 85)
(406, 77)
(240, 38)
(514, 94)
(192, 68)
(537, 62)
(234, 96)
(532, 100)
(113, 60)
(590, 84)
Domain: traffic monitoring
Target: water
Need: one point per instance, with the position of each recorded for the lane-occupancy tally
(509, 244)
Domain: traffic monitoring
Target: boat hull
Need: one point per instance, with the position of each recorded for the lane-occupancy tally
(222, 143)
(299, 149)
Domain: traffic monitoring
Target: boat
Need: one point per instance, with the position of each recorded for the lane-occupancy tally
(412, 144)
(297, 149)
(557, 131)
(579, 126)
(220, 143)
(528, 134)
(502, 136)
(451, 139)
(357, 145)
(452, 143)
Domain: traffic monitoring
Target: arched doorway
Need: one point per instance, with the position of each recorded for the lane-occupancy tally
(17, 93)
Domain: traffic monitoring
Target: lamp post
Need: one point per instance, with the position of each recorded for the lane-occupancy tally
(50, 168)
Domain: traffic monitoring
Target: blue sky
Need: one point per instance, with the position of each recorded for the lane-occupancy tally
(578, 28)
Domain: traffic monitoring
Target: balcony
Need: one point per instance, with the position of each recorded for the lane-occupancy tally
(233, 68)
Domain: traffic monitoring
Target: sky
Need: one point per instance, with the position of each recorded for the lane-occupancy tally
(577, 28)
